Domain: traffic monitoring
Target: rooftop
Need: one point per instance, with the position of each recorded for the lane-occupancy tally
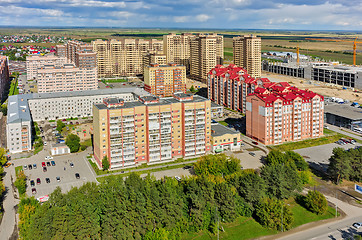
(344, 110)
(18, 108)
(219, 130)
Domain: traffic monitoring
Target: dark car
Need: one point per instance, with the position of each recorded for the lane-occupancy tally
(33, 190)
(187, 167)
(45, 169)
(47, 180)
(43, 164)
(77, 176)
(38, 181)
(48, 164)
(71, 164)
(34, 166)
(58, 179)
(53, 163)
(32, 184)
(30, 167)
(252, 154)
(254, 142)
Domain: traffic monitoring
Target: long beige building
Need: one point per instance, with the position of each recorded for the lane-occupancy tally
(123, 57)
(151, 130)
(206, 51)
(165, 80)
(247, 54)
(177, 48)
(34, 62)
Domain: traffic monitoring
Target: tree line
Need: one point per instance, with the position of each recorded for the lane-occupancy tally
(137, 208)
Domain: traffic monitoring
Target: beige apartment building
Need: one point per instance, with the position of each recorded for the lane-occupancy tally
(165, 80)
(206, 51)
(247, 54)
(151, 130)
(177, 48)
(153, 57)
(123, 57)
(60, 50)
(66, 77)
(34, 62)
(74, 47)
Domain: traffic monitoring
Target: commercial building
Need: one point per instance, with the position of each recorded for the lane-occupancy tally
(247, 54)
(19, 125)
(34, 62)
(164, 80)
(206, 51)
(66, 77)
(329, 73)
(229, 86)
(343, 115)
(4, 75)
(177, 48)
(151, 130)
(224, 139)
(281, 114)
(123, 57)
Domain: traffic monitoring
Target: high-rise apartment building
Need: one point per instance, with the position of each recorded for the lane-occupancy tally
(206, 51)
(74, 47)
(247, 54)
(281, 114)
(4, 75)
(165, 80)
(154, 57)
(151, 130)
(123, 57)
(34, 62)
(229, 86)
(60, 50)
(177, 48)
(66, 77)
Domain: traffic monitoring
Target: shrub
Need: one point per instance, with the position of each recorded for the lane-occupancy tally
(316, 202)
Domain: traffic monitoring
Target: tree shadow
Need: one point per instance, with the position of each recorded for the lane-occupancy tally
(319, 169)
(348, 233)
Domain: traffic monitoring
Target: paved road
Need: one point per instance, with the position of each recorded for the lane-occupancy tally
(337, 129)
(8, 224)
(342, 229)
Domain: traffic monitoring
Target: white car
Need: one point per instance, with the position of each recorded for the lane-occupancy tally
(177, 178)
(357, 225)
(48, 158)
(45, 143)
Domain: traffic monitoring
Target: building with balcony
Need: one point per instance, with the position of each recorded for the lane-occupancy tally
(165, 80)
(247, 54)
(4, 75)
(34, 62)
(151, 129)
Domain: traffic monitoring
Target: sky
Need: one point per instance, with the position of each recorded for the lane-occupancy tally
(212, 14)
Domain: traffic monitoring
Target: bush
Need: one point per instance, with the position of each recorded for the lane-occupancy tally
(73, 142)
(105, 163)
(20, 182)
(60, 126)
(316, 202)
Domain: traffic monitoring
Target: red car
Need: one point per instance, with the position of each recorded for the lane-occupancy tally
(43, 164)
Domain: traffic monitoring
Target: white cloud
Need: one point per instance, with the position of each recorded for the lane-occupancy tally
(202, 18)
(181, 19)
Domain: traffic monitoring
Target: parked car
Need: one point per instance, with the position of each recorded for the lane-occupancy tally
(53, 163)
(357, 225)
(252, 154)
(38, 181)
(77, 176)
(43, 164)
(45, 143)
(47, 180)
(33, 191)
(25, 167)
(71, 164)
(58, 179)
(30, 167)
(187, 167)
(32, 184)
(255, 142)
(45, 169)
(48, 164)
(177, 178)
(34, 166)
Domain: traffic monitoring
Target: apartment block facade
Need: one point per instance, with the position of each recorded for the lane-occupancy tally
(281, 114)
(165, 80)
(229, 86)
(34, 62)
(153, 57)
(74, 47)
(151, 130)
(123, 57)
(247, 54)
(66, 78)
(177, 48)
(206, 51)
(4, 75)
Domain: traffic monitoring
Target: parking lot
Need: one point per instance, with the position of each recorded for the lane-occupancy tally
(67, 176)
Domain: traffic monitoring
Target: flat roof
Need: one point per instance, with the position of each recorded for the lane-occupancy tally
(18, 108)
(218, 130)
(344, 110)
(214, 105)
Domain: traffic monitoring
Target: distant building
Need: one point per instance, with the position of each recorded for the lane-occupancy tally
(117, 58)
(165, 80)
(155, 58)
(34, 62)
(60, 51)
(206, 51)
(343, 115)
(151, 130)
(177, 48)
(282, 114)
(247, 54)
(4, 75)
(224, 139)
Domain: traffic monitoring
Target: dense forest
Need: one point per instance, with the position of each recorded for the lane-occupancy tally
(136, 208)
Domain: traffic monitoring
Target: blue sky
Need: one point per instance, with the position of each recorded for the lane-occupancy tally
(224, 14)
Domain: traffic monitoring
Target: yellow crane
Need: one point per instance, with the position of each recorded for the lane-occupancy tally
(341, 40)
(298, 55)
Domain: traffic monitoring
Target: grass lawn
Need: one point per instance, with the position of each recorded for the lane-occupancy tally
(38, 149)
(115, 80)
(223, 123)
(18, 169)
(13, 87)
(230, 54)
(248, 228)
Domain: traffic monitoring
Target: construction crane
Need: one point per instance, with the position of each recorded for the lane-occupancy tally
(341, 40)
(298, 55)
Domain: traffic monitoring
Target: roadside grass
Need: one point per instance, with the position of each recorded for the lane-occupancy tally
(248, 228)
(223, 123)
(18, 169)
(253, 149)
(115, 80)
(51, 121)
(13, 87)
(38, 149)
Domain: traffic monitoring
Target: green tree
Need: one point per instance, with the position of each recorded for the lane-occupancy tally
(4, 109)
(217, 165)
(251, 187)
(316, 202)
(105, 163)
(275, 157)
(274, 214)
(158, 234)
(73, 142)
(3, 158)
(339, 165)
(299, 161)
(225, 202)
(193, 89)
(60, 126)
(20, 182)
